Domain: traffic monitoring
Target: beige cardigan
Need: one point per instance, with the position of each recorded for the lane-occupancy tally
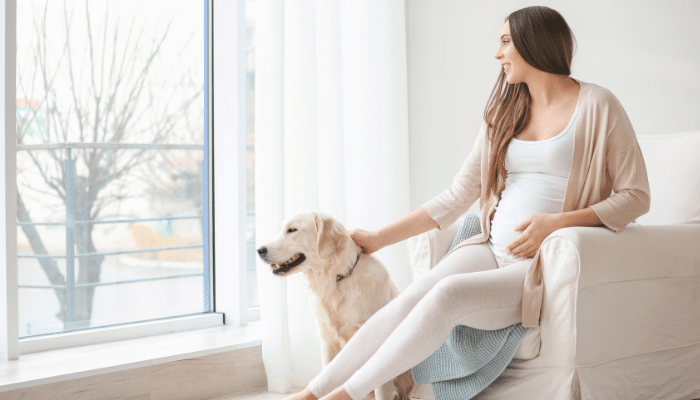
(606, 158)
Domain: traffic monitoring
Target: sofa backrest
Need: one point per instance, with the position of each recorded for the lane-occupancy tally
(673, 167)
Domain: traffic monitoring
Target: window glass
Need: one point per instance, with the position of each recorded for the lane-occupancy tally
(111, 162)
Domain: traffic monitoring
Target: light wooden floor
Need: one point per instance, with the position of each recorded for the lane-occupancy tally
(257, 395)
(264, 395)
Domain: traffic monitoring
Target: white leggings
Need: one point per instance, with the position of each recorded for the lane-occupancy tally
(470, 287)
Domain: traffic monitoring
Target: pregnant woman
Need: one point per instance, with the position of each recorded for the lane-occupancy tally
(550, 152)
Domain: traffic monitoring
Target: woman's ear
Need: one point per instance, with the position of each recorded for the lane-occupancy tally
(331, 237)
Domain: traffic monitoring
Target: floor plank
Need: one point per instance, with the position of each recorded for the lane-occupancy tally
(258, 395)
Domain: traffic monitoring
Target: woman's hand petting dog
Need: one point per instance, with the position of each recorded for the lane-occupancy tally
(368, 241)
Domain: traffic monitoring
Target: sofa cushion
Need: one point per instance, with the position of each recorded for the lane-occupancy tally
(673, 166)
(530, 345)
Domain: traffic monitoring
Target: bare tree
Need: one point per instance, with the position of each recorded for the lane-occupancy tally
(96, 87)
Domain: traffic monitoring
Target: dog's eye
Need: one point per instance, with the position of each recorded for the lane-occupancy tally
(290, 230)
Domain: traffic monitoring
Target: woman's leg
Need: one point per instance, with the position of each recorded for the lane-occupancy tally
(365, 342)
(483, 300)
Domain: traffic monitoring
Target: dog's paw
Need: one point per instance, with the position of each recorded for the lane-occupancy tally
(404, 385)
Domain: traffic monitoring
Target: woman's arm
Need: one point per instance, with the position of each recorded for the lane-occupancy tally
(624, 164)
(440, 212)
(413, 224)
(585, 217)
(537, 227)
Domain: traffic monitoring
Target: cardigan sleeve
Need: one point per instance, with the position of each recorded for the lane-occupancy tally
(448, 206)
(626, 170)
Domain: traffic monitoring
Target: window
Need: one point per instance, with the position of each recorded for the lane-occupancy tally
(112, 163)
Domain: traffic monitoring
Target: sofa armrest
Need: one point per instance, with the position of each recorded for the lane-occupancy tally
(427, 249)
(609, 295)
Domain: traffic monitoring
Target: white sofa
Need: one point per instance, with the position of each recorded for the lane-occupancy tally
(621, 311)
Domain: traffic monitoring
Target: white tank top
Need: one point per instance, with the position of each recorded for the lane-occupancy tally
(536, 178)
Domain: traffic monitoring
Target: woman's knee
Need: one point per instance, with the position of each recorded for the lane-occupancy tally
(409, 297)
(446, 293)
(435, 298)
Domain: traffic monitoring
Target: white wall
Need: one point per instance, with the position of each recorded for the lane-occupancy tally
(647, 55)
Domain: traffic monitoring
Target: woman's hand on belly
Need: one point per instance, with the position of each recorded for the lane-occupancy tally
(534, 230)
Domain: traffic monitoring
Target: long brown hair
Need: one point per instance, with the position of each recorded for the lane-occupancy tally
(545, 41)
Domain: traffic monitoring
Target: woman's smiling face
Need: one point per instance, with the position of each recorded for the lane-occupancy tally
(514, 66)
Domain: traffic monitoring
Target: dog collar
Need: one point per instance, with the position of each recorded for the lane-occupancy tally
(341, 277)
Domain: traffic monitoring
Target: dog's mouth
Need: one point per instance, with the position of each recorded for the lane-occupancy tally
(281, 268)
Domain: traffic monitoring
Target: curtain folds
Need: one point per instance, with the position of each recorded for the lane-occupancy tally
(331, 118)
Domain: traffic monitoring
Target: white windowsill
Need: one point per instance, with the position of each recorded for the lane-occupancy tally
(119, 332)
(83, 361)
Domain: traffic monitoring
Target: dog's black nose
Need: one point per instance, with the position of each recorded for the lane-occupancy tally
(262, 251)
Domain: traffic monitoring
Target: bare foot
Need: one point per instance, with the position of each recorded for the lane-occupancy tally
(338, 394)
(303, 395)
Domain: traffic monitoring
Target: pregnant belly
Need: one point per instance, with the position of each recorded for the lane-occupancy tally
(521, 199)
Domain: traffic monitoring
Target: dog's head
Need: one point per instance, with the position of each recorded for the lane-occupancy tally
(306, 241)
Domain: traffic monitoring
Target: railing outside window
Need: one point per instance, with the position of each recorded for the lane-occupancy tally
(70, 224)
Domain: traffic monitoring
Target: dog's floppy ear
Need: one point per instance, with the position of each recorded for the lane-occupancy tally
(331, 236)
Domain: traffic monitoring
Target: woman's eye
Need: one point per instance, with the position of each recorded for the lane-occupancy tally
(506, 41)
(290, 230)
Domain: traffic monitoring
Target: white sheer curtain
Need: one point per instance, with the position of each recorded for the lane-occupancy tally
(331, 119)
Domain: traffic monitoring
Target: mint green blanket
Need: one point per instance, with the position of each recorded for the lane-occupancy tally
(470, 359)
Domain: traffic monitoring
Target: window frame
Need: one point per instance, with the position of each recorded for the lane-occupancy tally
(9, 311)
(227, 306)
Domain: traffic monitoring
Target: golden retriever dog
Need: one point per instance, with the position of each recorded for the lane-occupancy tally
(348, 286)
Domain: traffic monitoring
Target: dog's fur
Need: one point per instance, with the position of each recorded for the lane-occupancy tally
(321, 248)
